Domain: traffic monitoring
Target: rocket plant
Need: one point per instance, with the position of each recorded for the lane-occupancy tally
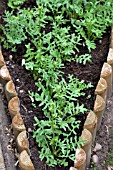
(52, 32)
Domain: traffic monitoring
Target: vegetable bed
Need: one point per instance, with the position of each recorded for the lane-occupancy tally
(54, 52)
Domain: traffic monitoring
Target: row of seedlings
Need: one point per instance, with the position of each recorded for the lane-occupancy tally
(91, 126)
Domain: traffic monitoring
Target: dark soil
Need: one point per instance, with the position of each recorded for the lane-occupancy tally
(24, 82)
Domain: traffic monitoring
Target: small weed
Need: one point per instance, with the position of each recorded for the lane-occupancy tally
(109, 160)
(15, 4)
(92, 165)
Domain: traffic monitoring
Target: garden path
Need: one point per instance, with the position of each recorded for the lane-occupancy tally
(2, 165)
(105, 137)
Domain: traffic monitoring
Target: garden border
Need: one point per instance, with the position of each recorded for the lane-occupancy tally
(93, 121)
(91, 126)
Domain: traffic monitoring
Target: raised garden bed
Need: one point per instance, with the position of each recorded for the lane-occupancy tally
(22, 76)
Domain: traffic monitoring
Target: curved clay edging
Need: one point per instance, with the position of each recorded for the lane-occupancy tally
(92, 123)
(19, 129)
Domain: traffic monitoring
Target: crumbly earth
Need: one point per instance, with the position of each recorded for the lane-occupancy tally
(24, 82)
(90, 73)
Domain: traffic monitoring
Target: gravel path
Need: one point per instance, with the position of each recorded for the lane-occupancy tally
(105, 136)
(2, 165)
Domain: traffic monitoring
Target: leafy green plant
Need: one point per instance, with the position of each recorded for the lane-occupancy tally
(14, 30)
(86, 18)
(109, 161)
(56, 144)
(14, 4)
(60, 111)
(93, 21)
(84, 58)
